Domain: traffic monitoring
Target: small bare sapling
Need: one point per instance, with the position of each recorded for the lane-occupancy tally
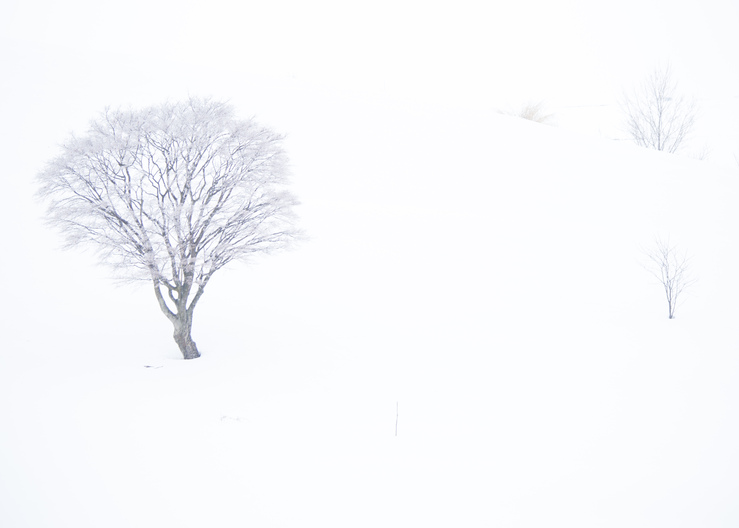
(671, 267)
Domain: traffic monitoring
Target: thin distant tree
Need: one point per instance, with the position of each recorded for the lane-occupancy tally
(671, 268)
(657, 117)
(171, 194)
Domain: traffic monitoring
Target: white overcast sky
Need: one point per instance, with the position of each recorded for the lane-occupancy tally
(62, 62)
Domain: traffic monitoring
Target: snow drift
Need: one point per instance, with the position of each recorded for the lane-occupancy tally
(475, 278)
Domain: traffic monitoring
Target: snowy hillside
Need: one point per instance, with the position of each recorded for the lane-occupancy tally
(475, 280)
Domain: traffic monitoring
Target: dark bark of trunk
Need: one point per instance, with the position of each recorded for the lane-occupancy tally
(184, 340)
(180, 317)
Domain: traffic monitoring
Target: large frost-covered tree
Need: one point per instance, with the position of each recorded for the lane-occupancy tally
(172, 194)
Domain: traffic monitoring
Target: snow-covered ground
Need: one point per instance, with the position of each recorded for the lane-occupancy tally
(474, 280)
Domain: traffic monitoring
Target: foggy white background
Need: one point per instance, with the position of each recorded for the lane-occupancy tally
(63, 62)
(524, 400)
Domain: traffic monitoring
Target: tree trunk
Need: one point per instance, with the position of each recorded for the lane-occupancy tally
(180, 317)
(183, 339)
